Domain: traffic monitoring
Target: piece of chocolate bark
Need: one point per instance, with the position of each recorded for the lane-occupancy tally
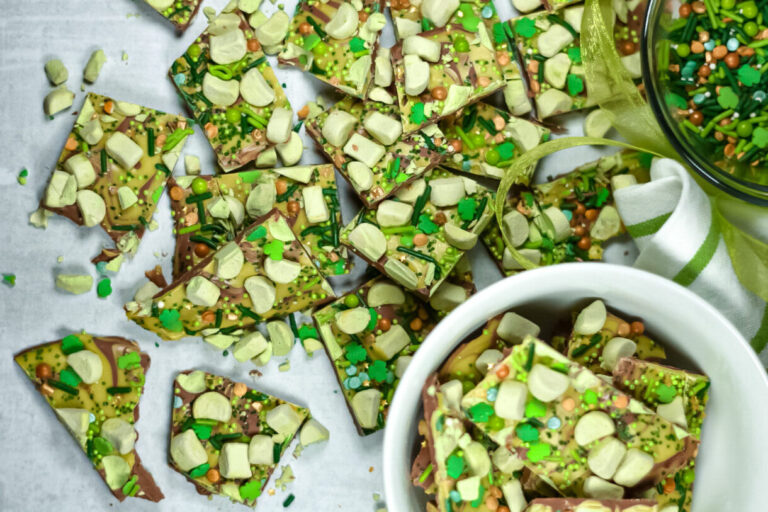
(371, 334)
(590, 505)
(413, 18)
(209, 211)
(264, 272)
(93, 384)
(567, 219)
(575, 431)
(366, 143)
(599, 339)
(549, 43)
(179, 12)
(485, 140)
(440, 71)
(113, 169)
(470, 471)
(677, 395)
(335, 41)
(227, 438)
(417, 237)
(230, 89)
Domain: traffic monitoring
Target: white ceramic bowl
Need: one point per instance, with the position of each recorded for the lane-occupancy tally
(730, 471)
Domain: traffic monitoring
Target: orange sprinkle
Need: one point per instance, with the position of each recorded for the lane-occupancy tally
(502, 371)
(669, 485)
(208, 317)
(160, 140)
(109, 106)
(211, 130)
(177, 194)
(568, 404)
(637, 327)
(623, 329)
(416, 324)
(370, 469)
(420, 240)
(621, 401)
(502, 58)
(483, 81)
(239, 389)
(71, 144)
(304, 112)
(254, 45)
(213, 475)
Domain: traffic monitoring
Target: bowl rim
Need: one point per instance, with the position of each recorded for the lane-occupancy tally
(462, 321)
(712, 176)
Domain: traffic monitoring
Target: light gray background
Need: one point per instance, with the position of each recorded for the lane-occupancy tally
(41, 466)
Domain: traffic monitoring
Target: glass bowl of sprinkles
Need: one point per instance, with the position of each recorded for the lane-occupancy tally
(705, 70)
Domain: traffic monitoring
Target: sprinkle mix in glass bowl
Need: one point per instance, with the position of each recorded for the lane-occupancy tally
(704, 67)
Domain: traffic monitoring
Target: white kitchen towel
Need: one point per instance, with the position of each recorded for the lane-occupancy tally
(672, 223)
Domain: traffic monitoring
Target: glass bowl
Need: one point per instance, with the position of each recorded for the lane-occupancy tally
(705, 155)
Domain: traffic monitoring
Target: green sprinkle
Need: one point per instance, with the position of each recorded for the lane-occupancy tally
(539, 451)
(170, 320)
(129, 360)
(481, 412)
(71, 344)
(104, 288)
(200, 470)
(454, 466)
(525, 27)
(251, 490)
(256, 234)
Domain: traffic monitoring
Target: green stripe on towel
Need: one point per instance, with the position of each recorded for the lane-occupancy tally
(701, 259)
(648, 227)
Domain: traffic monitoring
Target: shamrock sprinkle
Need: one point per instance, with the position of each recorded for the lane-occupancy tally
(748, 75)
(274, 249)
(355, 353)
(525, 27)
(169, 318)
(426, 225)
(378, 371)
(727, 98)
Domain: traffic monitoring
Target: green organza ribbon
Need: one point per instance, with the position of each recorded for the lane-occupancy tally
(611, 87)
